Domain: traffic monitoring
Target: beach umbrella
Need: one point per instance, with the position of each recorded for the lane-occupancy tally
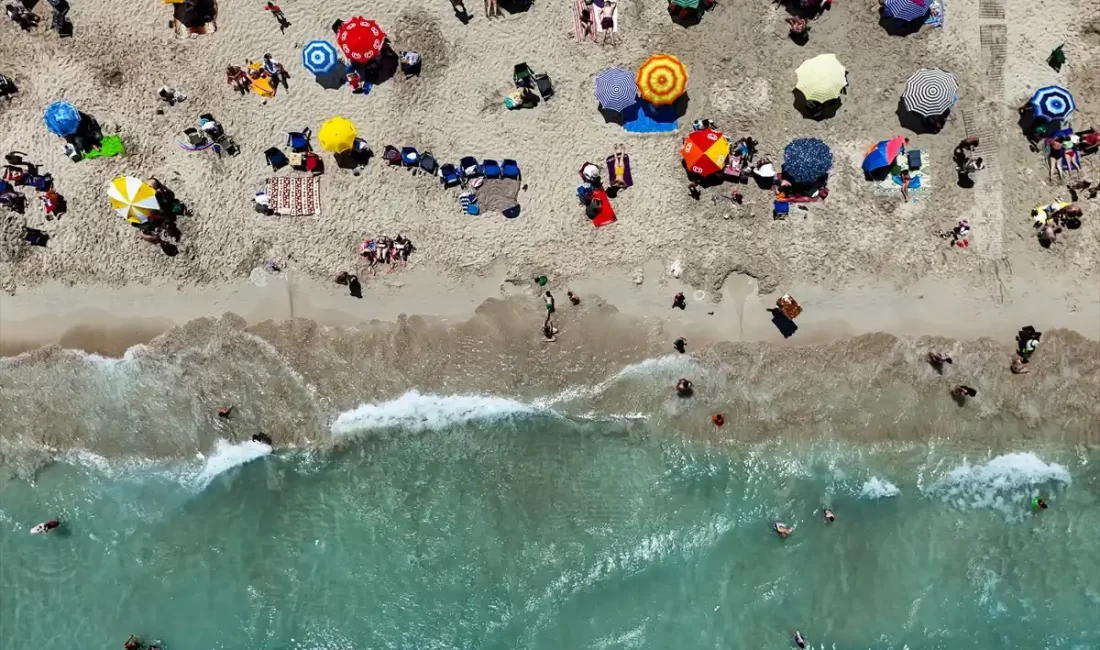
(806, 160)
(62, 118)
(686, 4)
(360, 39)
(320, 57)
(821, 78)
(883, 154)
(1052, 103)
(705, 152)
(662, 79)
(905, 10)
(929, 92)
(132, 199)
(616, 89)
(337, 135)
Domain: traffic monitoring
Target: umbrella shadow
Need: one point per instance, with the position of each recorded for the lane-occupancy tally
(616, 117)
(895, 27)
(711, 180)
(515, 6)
(795, 8)
(878, 174)
(915, 123)
(816, 111)
(335, 78)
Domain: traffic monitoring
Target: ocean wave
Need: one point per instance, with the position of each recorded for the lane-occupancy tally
(644, 368)
(876, 488)
(1005, 483)
(196, 476)
(227, 456)
(416, 412)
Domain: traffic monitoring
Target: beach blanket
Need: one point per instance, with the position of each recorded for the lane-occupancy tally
(579, 32)
(607, 213)
(296, 196)
(644, 117)
(497, 194)
(109, 147)
(627, 179)
(935, 14)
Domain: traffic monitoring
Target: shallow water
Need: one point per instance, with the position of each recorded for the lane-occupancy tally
(504, 528)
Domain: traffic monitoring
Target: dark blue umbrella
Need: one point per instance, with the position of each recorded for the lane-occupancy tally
(62, 118)
(320, 57)
(1052, 103)
(616, 89)
(905, 10)
(806, 160)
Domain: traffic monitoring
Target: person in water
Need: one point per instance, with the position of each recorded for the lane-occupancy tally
(684, 388)
(961, 392)
(679, 302)
(225, 413)
(799, 640)
(829, 516)
(938, 359)
(133, 643)
(573, 298)
(680, 345)
(46, 527)
(262, 437)
(1038, 503)
(782, 529)
(549, 331)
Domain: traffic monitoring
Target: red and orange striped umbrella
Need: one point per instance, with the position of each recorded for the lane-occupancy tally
(705, 152)
(662, 79)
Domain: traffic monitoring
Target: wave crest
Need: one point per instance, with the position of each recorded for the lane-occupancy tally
(416, 412)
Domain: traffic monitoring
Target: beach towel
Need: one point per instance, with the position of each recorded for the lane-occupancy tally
(109, 147)
(497, 194)
(935, 13)
(644, 117)
(578, 26)
(626, 180)
(296, 196)
(262, 87)
(607, 213)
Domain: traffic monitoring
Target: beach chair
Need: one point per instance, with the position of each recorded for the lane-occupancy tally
(276, 158)
(410, 157)
(428, 163)
(545, 86)
(448, 175)
(391, 154)
(490, 169)
(299, 141)
(510, 169)
(468, 168)
(523, 76)
(42, 183)
(35, 237)
(195, 138)
(913, 158)
(780, 210)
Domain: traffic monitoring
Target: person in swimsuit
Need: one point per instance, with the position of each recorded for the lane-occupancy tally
(1038, 503)
(938, 359)
(549, 300)
(829, 516)
(1055, 159)
(782, 529)
(679, 302)
(799, 640)
(684, 388)
(574, 299)
(133, 643)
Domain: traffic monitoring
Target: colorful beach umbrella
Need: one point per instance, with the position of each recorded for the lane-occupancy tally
(320, 57)
(806, 160)
(360, 39)
(883, 154)
(1052, 103)
(62, 118)
(662, 79)
(905, 10)
(929, 92)
(133, 199)
(705, 152)
(337, 135)
(821, 78)
(616, 89)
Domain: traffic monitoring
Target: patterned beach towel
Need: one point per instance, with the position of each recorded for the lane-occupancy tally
(296, 196)
(579, 32)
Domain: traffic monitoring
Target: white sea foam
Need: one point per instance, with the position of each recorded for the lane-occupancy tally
(416, 412)
(876, 488)
(647, 367)
(1005, 483)
(226, 456)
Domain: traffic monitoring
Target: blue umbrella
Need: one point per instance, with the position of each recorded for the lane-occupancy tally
(320, 57)
(806, 160)
(905, 10)
(1052, 103)
(62, 118)
(616, 89)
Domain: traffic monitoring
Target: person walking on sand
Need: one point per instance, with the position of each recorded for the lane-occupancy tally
(277, 11)
(549, 300)
(491, 8)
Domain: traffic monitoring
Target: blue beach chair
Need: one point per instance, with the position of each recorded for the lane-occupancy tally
(410, 157)
(449, 176)
(780, 209)
(298, 141)
(490, 169)
(468, 168)
(510, 169)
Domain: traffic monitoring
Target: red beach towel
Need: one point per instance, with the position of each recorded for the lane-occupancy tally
(296, 196)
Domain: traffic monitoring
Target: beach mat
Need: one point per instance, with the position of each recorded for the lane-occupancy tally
(644, 117)
(295, 196)
(607, 213)
(578, 27)
(497, 194)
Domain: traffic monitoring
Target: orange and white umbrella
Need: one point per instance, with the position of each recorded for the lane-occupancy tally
(132, 199)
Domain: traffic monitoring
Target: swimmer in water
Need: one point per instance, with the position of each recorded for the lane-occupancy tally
(684, 388)
(225, 412)
(132, 643)
(798, 640)
(782, 529)
(829, 516)
(262, 437)
(1038, 503)
(46, 527)
(680, 345)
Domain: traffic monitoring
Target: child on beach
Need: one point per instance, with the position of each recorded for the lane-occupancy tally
(277, 11)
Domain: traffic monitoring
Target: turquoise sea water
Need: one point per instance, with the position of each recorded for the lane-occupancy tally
(531, 531)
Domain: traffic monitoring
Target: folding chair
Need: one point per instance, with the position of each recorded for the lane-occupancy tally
(410, 157)
(780, 210)
(510, 169)
(276, 158)
(490, 169)
(299, 141)
(448, 175)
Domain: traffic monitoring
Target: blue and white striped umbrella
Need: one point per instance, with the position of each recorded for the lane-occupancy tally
(1052, 103)
(320, 57)
(905, 10)
(616, 89)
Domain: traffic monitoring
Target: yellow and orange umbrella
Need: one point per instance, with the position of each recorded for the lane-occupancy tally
(662, 79)
(705, 152)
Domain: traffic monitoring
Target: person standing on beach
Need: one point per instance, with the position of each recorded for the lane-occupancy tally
(962, 392)
(549, 300)
(679, 302)
(277, 11)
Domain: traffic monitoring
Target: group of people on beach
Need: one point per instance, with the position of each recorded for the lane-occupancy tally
(386, 250)
(549, 330)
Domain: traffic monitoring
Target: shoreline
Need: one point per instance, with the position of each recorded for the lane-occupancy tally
(109, 320)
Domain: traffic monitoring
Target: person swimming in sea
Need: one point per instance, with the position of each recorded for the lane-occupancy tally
(46, 527)
(684, 388)
(782, 529)
(1038, 503)
(829, 516)
(262, 437)
(799, 640)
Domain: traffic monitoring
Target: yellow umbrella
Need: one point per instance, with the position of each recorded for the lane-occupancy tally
(821, 78)
(337, 135)
(662, 79)
(132, 199)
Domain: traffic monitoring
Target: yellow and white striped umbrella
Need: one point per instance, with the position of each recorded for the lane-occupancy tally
(132, 199)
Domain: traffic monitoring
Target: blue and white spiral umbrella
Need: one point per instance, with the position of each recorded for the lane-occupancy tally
(320, 57)
(1052, 103)
(905, 10)
(616, 89)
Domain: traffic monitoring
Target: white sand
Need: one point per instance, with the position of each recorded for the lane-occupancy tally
(742, 72)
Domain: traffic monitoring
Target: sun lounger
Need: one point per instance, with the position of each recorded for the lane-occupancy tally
(615, 164)
(490, 169)
(545, 86)
(299, 141)
(510, 169)
(449, 176)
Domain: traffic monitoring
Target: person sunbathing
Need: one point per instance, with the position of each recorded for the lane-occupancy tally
(238, 79)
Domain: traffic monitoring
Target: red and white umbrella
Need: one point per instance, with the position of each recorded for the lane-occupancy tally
(360, 39)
